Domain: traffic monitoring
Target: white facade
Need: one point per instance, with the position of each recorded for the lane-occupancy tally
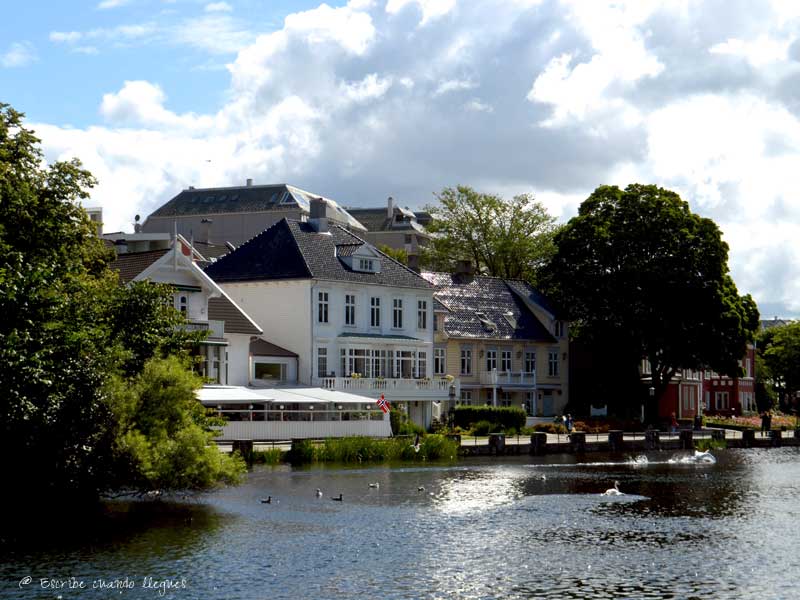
(350, 336)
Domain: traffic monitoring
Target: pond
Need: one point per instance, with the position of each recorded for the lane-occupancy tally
(484, 528)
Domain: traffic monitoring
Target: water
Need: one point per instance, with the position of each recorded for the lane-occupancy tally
(491, 528)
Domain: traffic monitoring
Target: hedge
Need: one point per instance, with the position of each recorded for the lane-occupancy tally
(504, 416)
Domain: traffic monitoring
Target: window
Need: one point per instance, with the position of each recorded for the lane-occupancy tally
(466, 397)
(491, 360)
(182, 303)
(466, 361)
(552, 364)
(270, 371)
(397, 315)
(375, 312)
(435, 322)
(530, 362)
(322, 307)
(407, 238)
(689, 394)
(505, 399)
(365, 264)
(505, 361)
(558, 329)
(349, 309)
(422, 314)
(747, 372)
(422, 365)
(322, 362)
(721, 400)
(439, 361)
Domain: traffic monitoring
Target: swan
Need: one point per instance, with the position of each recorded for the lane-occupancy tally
(267, 500)
(415, 445)
(319, 493)
(705, 457)
(375, 485)
(613, 491)
(543, 477)
(339, 499)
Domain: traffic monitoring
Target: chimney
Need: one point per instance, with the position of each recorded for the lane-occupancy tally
(205, 230)
(191, 187)
(318, 217)
(465, 268)
(249, 182)
(390, 208)
(413, 262)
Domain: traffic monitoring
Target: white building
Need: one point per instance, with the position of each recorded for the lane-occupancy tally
(359, 321)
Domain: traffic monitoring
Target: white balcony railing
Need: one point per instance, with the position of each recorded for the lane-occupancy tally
(520, 378)
(216, 328)
(437, 388)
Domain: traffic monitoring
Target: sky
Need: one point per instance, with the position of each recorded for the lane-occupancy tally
(366, 99)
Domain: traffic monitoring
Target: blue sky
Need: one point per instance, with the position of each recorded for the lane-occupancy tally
(365, 99)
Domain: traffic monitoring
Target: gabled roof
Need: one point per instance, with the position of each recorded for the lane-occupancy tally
(249, 198)
(486, 307)
(375, 219)
(236, 321)
(130, 265)
(295, 250)
(533, 295)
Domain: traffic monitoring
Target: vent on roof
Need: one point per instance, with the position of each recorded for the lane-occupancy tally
(488, 324)
(512, 320)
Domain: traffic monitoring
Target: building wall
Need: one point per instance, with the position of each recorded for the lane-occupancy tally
(283, 310)
(235, 228)
(395, 239)
(238, 358)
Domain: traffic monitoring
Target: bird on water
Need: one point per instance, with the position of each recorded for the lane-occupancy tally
(613, 491)
(339, 499)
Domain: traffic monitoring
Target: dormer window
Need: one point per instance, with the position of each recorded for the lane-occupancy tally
(512, 320)
(366, 264)
(488, 324)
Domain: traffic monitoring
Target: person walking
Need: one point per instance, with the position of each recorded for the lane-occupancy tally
(569, 423)
(764, 422)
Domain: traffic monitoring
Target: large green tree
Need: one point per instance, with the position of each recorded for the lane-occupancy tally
(69, 332)
(779, 351)
(504, 238)
(644, 277)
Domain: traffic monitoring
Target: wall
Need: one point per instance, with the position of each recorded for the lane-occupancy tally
(238, 358)
(283, 310)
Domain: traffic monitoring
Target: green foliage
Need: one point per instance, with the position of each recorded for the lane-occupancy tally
(76, 413)
(502, 417)
(399, 254)
(779, 351)
(363, 449)
(705, 444)
(273, 456)
(484, 428)
(511, 239)
(550, 428)
(645, 277)
(401, 425)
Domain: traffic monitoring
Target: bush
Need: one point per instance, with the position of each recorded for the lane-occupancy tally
(272, 456)
(550, 428)
(504, 417)
(483, 428)
(363, 449)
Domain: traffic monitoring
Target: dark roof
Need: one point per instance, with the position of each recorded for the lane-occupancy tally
(470, 297)
(254, 198)
(211, 251)
(439, 307)
(423, 218)
(375, 219)
(261, 347)
(776, 322)
(533, 295)
(130, 265)
(222, 309)
(294, 250)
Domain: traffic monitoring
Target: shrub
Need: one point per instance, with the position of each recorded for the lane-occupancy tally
(272, 456)
(704, 445)
(504, 417)
(363, 449)
(550, 428)
(302, 452)
(483, 428)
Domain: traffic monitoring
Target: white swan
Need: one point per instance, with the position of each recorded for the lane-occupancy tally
(319, 493)
(704, 457)
(375, 485)
(613, 491)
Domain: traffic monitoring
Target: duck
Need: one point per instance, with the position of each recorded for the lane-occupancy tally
(613, 491)
(421, 488)
(318, 493)
(543, 477)
(416, 445)
(339, 499)
(267, 500)
(375, 485)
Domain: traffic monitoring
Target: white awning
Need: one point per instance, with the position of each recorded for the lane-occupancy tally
(213, 395)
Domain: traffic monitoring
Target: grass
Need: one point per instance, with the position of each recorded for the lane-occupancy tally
(364, 449)
(273, 456)
(704, 445)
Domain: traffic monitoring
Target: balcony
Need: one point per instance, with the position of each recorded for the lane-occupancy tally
(216, 329)
(397, 390)
(509, 379)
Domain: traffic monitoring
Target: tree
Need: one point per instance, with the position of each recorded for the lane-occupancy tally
(779, 349)
(644, 277)
(69, 332)
(399, 254)
(510, 239)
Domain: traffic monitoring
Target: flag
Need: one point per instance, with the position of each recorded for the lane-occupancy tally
(384, 404)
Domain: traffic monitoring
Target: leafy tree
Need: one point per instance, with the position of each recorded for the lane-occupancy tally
(511, 239)
(644, 277)
(69, 334)
(779, 348)
(399, 254)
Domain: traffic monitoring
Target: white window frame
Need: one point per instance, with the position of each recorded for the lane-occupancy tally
(506, 360)
(397, 313)
(350, 310)
(530, 361)
(375, 311)
(422, 314)
(552, 364)
(466, 361)
(439, 361)
(323, 307)
(322, 359)
(491, 360)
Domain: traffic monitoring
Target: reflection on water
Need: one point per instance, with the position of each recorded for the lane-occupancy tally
(491, 528)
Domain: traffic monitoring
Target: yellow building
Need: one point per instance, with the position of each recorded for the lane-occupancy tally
(502, 340)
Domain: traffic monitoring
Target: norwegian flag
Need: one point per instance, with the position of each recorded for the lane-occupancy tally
(384, 404)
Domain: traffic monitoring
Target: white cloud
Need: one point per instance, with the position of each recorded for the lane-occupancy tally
(758, 52)
(218, 7)
(431, 9)
(553, 98)
(19, 54)
(106, 4)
